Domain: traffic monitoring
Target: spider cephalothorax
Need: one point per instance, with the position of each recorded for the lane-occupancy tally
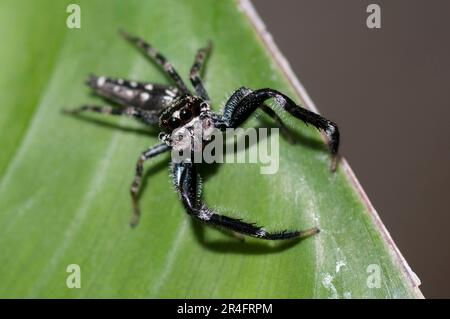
(181, 112)
(187, 123)
(187, 120)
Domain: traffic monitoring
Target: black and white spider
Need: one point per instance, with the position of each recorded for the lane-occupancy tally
(176, 109)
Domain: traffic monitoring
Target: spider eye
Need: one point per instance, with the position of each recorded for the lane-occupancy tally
(185, 114)
(174, 122)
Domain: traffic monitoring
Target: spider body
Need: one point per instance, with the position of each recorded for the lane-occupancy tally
(187, 123)
(186, 119)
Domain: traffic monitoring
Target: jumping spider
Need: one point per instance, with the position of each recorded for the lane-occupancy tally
(175, 109)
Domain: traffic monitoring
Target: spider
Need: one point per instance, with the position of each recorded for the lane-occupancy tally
(176, 109)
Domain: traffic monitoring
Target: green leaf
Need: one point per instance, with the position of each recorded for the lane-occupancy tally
(64, 181)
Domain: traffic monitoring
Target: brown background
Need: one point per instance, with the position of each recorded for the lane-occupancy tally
(389, 91)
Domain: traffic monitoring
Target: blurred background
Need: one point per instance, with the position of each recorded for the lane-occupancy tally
(389, 91)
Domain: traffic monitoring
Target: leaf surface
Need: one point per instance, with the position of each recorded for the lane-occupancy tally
(64, 181)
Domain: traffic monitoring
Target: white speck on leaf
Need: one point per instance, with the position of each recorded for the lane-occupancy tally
(339, 265)
(327, 281)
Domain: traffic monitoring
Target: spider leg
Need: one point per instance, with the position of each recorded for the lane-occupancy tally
(244, 102)
(144, 95)
(149, 117)
(153, 54)
(187, 182)
(279, 122)
(239, 94)
(134, 190)
(196, 70)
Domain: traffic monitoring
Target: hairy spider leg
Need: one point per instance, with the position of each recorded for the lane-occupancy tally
(154, 55)
(134, 190)
(196, 70)
(243, 103)
(237, 96)
(187, 182)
